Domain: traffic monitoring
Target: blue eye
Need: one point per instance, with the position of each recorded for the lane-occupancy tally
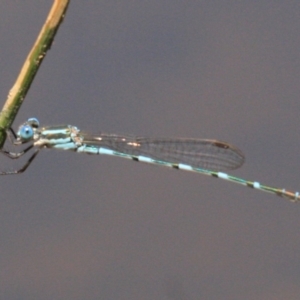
(25, 133)
(33, 122)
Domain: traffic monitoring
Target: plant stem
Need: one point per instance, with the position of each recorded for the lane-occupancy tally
(31, 65)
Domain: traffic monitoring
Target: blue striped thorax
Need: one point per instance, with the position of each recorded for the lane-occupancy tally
(64, 137)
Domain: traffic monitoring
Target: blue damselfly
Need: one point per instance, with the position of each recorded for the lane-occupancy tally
(208, 157)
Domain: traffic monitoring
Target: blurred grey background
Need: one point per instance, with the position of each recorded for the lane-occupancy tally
(94, 227)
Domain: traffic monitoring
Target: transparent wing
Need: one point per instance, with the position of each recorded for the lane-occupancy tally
(199, 153)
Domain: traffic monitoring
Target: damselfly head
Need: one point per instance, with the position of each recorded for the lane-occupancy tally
(25, 133)
(26, 130)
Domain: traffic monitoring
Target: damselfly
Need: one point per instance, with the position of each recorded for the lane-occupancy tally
(208, 157)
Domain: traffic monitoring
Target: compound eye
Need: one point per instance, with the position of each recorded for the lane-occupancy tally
(25, 133)
(33, 122)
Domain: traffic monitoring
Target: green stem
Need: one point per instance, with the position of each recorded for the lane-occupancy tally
(31, 65)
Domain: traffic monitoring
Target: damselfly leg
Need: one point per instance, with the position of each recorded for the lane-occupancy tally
(12, 137)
